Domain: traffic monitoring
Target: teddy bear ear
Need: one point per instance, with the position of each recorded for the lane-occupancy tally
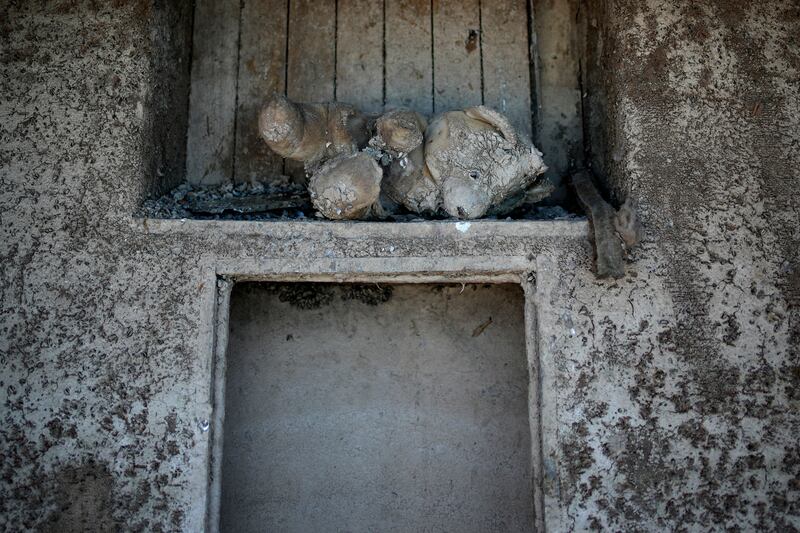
(495, 119)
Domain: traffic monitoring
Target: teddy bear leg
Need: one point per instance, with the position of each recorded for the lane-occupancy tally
(347, 187)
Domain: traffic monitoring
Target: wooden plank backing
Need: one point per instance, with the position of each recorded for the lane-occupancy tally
(262, 72)
(212, 102)
(311, 69)
(312, 36)
(359, 54)
(409, 60)
(506, 65)
(456, 54)
(559, 122)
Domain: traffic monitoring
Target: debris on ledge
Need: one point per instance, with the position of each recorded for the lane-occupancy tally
(464, 164)
(258, 201)
(285, 201)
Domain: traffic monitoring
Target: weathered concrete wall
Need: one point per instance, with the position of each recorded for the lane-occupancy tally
(678, 393)
(95, 351)
(673, 393)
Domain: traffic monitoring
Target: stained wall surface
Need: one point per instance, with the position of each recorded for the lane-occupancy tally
(672, 394)
(365, 408)
(682, 409)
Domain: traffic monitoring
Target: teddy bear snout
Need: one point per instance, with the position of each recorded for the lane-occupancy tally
(464, 198)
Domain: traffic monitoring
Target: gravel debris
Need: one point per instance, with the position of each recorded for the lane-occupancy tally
(185, 201)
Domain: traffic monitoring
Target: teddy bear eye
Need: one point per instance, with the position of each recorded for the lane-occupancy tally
(474, 174)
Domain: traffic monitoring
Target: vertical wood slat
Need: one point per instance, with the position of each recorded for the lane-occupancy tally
(456, 54)
(359, 54)
(262, 72)
(312, 35)
(409, 60)
(212, 102)
(311, 69)
(506, 64)
(559, 122)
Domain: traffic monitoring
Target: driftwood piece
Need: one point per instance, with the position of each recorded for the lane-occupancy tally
(610, 261)
(627, 225)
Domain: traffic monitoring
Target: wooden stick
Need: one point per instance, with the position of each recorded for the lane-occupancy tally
(608, 246)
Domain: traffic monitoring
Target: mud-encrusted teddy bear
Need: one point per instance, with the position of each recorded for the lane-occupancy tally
(465, 164)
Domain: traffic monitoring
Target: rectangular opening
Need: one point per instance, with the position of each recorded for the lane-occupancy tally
(375, 408)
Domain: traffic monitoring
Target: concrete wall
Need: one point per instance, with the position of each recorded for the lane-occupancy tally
(679, 405)
(96, 349)
(365, 408)
(673, 392)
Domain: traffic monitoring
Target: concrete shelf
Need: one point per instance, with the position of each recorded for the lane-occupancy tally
(446, 229)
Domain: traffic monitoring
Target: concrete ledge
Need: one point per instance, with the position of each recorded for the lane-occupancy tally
(564, 229)
(403, 269)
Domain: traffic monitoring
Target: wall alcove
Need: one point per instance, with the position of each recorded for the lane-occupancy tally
(242, 272)
(517, 56)
(429, 56)
(352, 407)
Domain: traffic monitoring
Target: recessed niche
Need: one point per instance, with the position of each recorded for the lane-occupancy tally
(376, 408)
(516, 56)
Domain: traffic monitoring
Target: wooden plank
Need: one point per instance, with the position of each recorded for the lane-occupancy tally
(212, 103)
(312, 33)
(262, 72)
(559, 122)
(409, 60)
(456, 54)
(311, 68)
(359, 54)
(506, 63)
